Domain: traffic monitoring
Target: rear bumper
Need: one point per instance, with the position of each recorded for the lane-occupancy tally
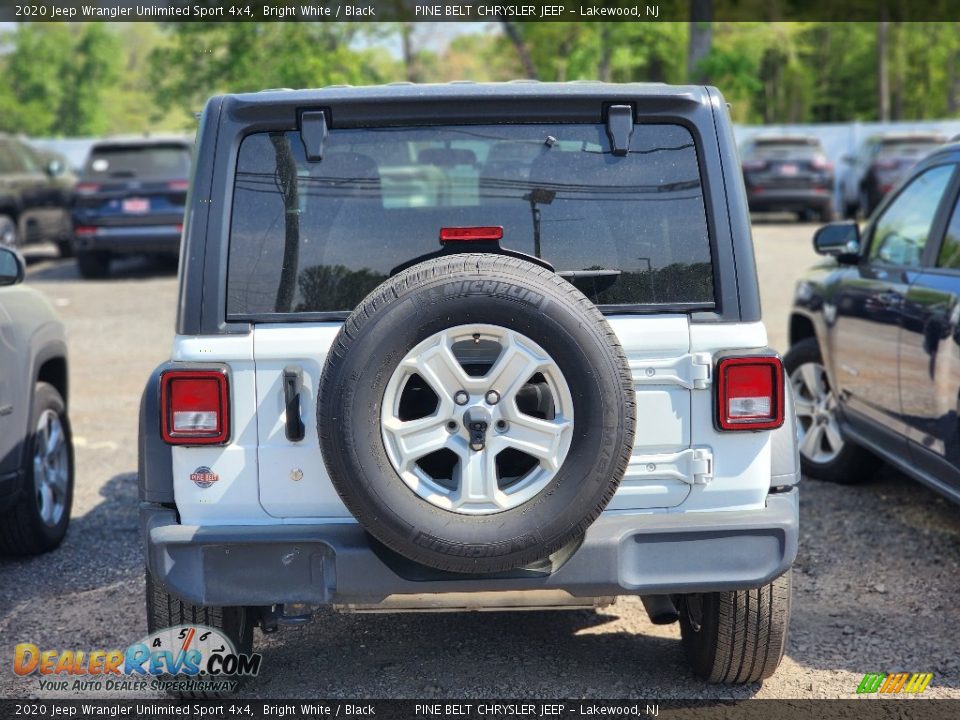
(788, 199)
(133, 239)
(338, 563)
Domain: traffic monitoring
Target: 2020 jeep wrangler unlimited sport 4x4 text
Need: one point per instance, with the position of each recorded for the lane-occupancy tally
(472, 346)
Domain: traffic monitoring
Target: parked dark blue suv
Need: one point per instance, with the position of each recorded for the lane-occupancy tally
(875, 337)
(130, 200)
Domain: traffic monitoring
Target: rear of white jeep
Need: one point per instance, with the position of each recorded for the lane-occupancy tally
(472, 347)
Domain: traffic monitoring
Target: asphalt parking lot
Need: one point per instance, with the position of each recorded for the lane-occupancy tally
(874, 585)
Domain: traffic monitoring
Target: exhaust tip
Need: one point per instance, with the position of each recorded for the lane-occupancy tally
(660, 609)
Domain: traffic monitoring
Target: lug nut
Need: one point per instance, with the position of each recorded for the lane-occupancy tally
(493, 397)
(461, 397)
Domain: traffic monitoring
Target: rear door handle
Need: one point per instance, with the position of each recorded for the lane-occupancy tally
(292, 387)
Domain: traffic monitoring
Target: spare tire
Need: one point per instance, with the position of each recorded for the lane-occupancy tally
(476, 413)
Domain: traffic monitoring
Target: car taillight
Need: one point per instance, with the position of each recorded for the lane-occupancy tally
(194, 407)
(820, 163)
(84, 230)
(178, 184)
(754, 164)
(470, 234)
(86, 188)
(750, 393)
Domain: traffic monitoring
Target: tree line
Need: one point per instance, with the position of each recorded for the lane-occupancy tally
(70, 79)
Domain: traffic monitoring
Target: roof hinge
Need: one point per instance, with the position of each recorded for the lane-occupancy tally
(620, 128)
(313, 133)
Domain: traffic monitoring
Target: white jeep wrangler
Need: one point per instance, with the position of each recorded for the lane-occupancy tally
(472, 347)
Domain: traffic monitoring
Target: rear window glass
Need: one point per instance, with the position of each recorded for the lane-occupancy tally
(310, 237)
(139, 161)
(786, 149)
(907, 148)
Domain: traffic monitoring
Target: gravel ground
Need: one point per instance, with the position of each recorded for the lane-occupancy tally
(874, 583)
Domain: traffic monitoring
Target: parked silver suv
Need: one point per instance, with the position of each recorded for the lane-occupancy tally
(36, 449)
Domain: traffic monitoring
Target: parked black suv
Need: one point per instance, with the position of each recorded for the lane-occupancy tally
(130, 200)
(874, 334)
(788, 173)
(35, 195)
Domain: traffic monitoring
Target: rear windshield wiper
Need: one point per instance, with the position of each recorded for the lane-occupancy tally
(573, 274)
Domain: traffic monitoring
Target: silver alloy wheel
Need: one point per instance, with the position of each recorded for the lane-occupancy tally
(476, 485)
(816, 408)
(51, 467)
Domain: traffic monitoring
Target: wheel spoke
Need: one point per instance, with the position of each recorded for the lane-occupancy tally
(812, 441)
(540, 438)
(415, 439)
(833, 436)
(441, 370)
(477, 480)
(46, 503)
(803, 407)
(54, 436)
(813, 378)
(515, 366)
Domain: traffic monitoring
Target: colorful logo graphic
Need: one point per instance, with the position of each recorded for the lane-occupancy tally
(204, 477)
(184, 658)
(892, 683)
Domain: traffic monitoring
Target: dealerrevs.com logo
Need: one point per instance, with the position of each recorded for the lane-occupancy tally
(184, 658)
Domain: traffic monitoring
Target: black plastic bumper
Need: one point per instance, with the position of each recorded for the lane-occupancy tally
(338, 563)
(788, 199)
(125, 239)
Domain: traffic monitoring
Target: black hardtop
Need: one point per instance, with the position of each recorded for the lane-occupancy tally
(228, 119)
(463, 102)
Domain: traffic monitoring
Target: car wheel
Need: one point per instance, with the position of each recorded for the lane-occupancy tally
(494, 419)
(824, 452)
(165, 610)
(93, 264)
(826, 214)
(9, 234)
(65, 248)
(737, 636)
(38, 522)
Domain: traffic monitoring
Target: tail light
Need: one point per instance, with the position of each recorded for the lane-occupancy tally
(84, 230)
(178, 184)
(470, 234)
(750, 393)
(194, 407)
(86, 188)
(821, 163)
(754, 164)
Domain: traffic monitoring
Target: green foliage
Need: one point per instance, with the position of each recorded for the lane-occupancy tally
(54, 79)
(203, 59)
(91, 78)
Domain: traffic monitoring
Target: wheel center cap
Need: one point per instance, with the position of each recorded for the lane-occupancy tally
(477, 421)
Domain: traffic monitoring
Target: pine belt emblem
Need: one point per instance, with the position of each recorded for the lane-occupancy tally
(204, 477)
